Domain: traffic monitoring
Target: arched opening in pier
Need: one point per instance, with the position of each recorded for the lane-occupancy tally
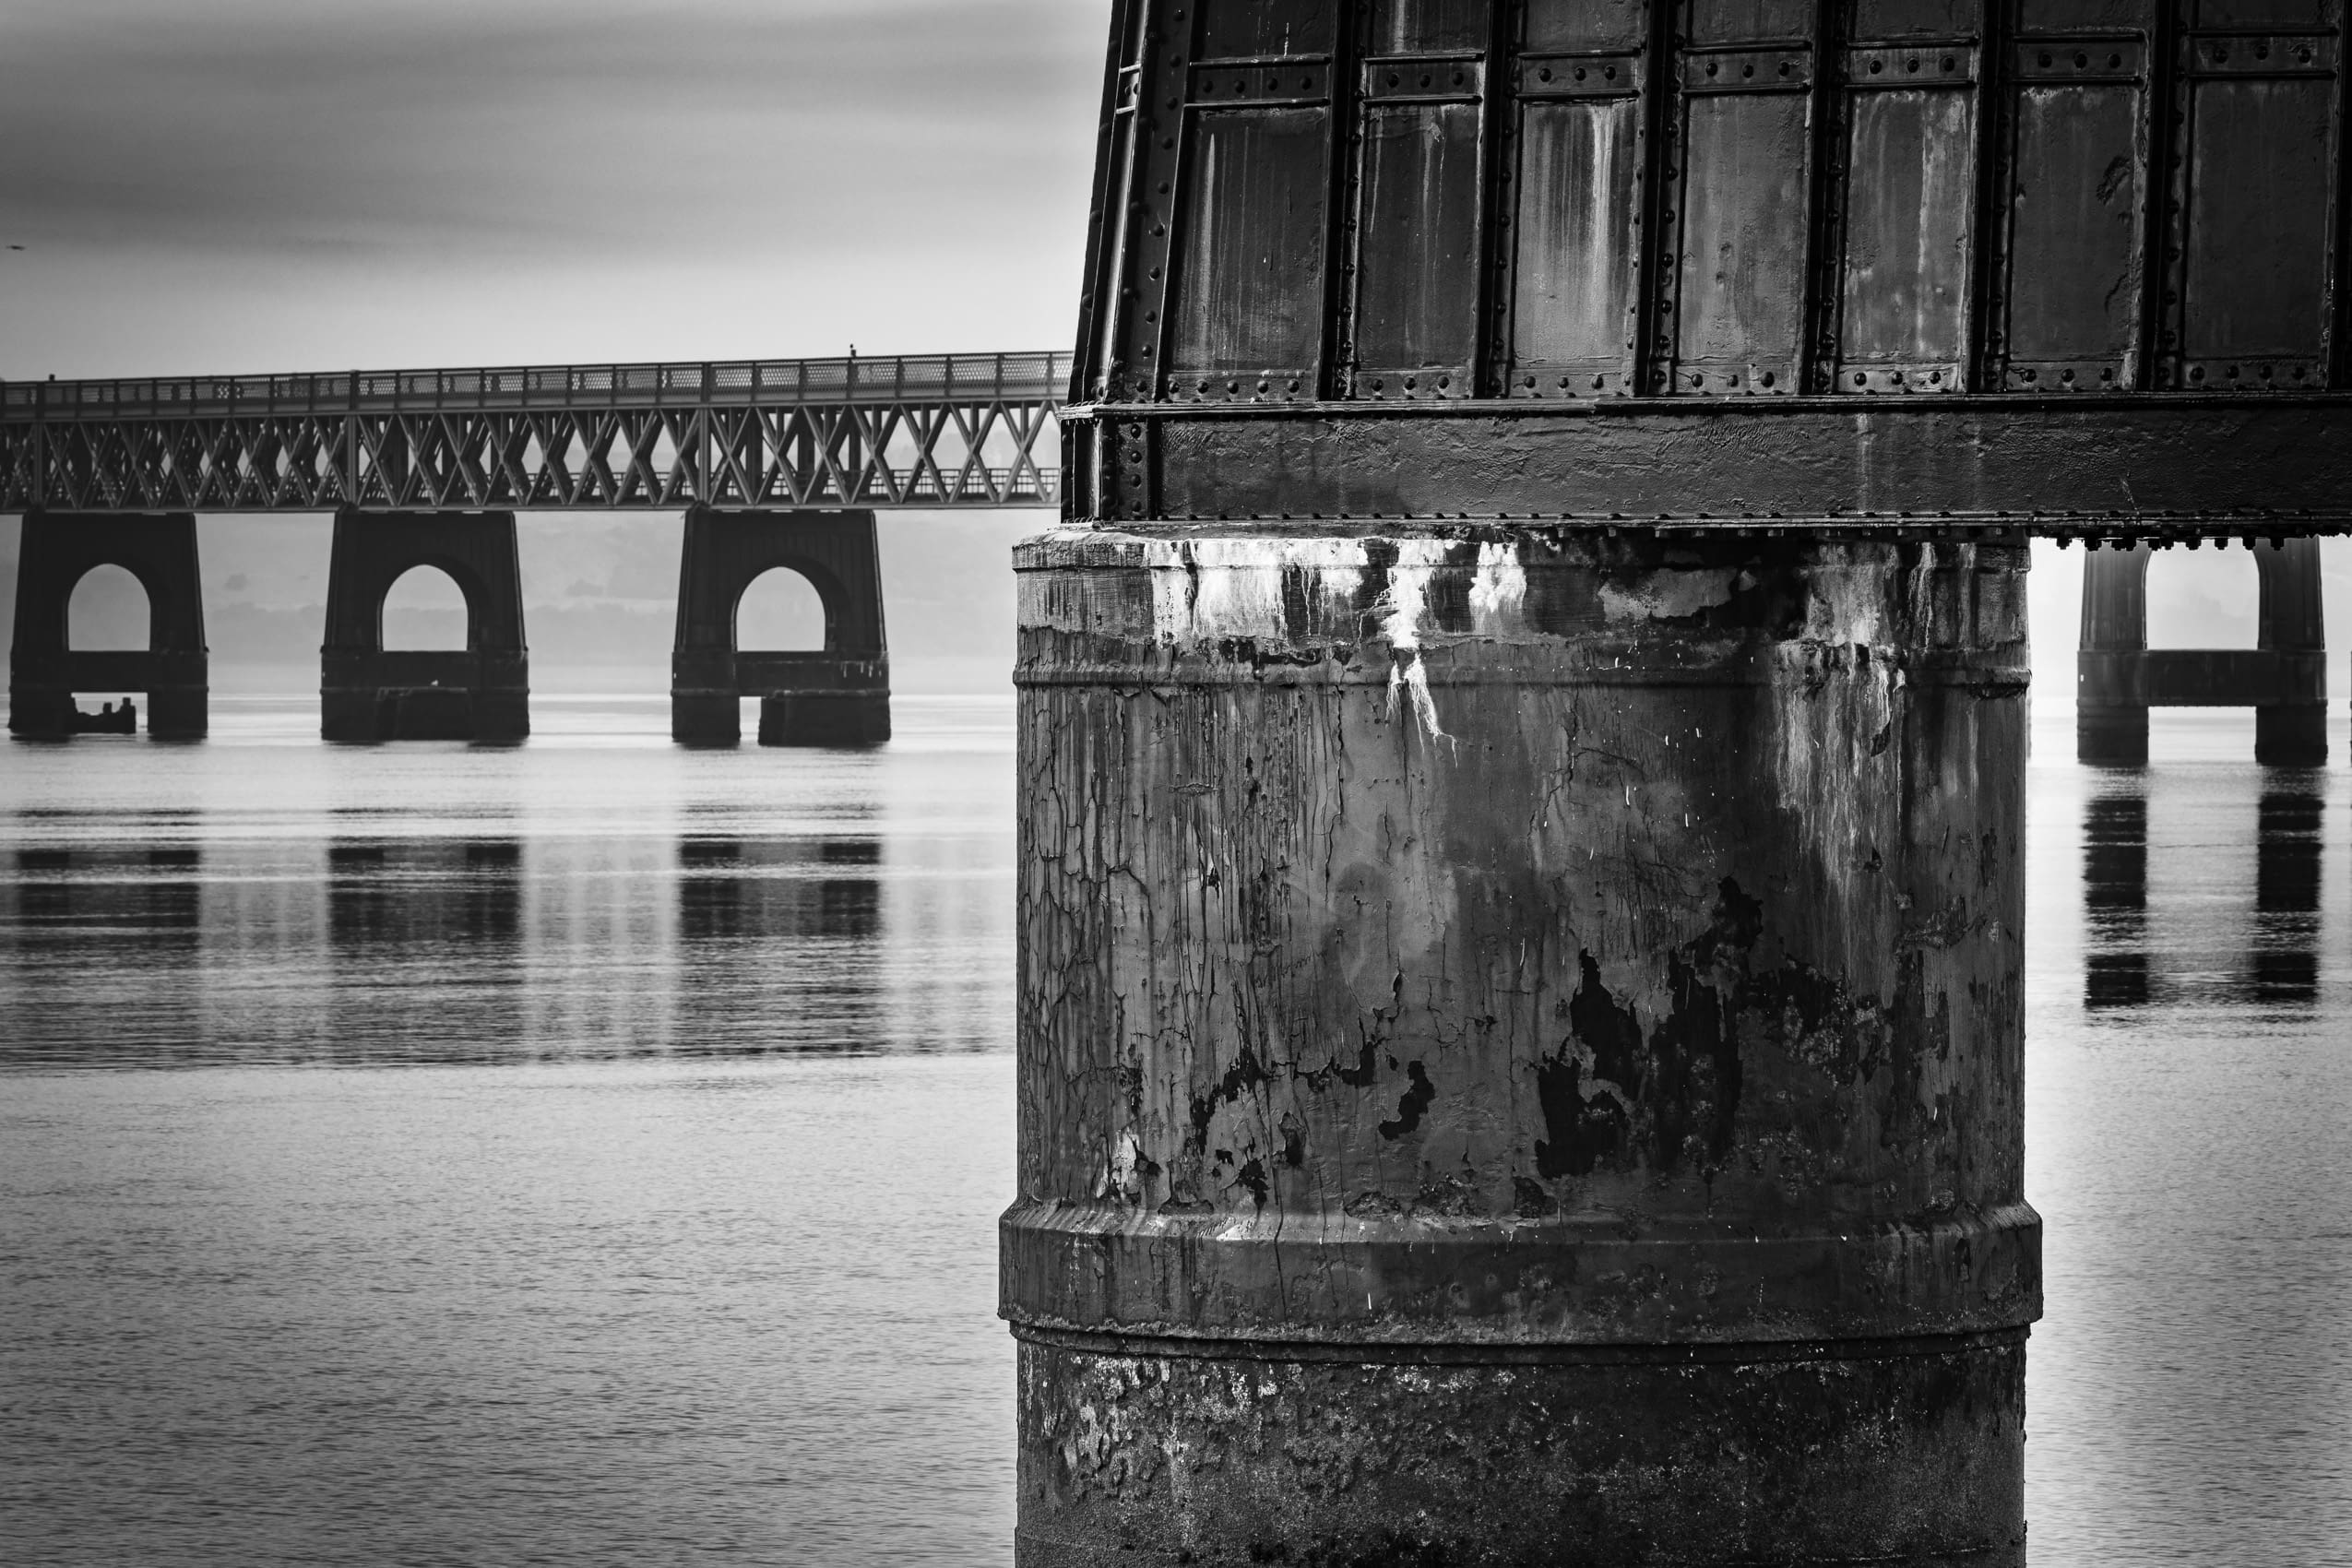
(781, 613)
(2204, 597)
(425, 612)
(109, 614)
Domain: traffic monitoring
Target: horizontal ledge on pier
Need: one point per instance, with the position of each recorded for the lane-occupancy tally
(1434, 1353)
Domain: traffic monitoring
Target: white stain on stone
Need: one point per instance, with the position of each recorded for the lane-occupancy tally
(1401, 610)
(1498, 589)
(1847, 603)
(1215, 589)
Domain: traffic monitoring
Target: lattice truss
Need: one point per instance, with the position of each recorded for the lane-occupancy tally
(1001, 451)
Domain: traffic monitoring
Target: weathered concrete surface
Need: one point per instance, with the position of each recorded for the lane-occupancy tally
(1521, 1048)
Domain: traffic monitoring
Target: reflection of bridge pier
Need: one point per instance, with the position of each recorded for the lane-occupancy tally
(2285, 961)
(838, 696)
(2273, 961)
(2283, 678)
(44, 671)
(367, 692)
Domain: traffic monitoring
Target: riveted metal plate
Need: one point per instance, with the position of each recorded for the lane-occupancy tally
(1580, 76)
(1912, 66)
(2264, 54)
(2252, 376)
(1748, 70)
(1259, 82)
(1424, 80)
(2080, 60)
(2062, 375)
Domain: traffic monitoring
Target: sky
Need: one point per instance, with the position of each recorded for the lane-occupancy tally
(240, 185)
(235, 186)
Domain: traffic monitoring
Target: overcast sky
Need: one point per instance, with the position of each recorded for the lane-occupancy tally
(265, 184)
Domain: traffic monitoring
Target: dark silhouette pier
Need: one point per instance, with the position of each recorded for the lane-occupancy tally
(2283, 678)
(44, 671)
(840, 695)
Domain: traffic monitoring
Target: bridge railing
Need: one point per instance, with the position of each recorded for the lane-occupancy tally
(1013, 377)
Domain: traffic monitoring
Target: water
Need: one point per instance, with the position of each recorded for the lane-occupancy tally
(589, 1153)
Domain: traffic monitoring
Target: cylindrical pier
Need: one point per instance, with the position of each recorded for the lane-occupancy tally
(1520, 1049)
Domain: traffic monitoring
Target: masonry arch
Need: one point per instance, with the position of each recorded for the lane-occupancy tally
(110, 611)
(427, 609)
(786, 609)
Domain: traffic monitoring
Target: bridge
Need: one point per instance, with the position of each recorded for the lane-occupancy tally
(774, 463)
(1522, 731)
(1522, 739)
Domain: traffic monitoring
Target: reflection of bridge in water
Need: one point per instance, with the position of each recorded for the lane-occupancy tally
(775, 464)
(2272, 959)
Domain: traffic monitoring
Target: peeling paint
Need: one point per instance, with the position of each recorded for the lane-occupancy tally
(1671, 595)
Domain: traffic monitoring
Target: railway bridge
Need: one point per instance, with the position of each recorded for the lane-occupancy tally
(778, 463)
(1522, 724)
(1522, 739)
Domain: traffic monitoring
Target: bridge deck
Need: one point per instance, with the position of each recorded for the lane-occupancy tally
(930, 431)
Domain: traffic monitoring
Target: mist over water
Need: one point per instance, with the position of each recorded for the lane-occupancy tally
(590, 1153)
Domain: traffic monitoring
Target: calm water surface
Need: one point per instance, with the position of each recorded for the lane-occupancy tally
(590, 1153)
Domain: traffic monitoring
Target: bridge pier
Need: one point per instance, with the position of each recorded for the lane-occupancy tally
(173, 674)
(2283, 678)
(840, 696)
(1511, 1065)
(367, 693)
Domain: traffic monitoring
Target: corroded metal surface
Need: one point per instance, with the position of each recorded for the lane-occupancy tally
(1874, 266)
(1520, 1045)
